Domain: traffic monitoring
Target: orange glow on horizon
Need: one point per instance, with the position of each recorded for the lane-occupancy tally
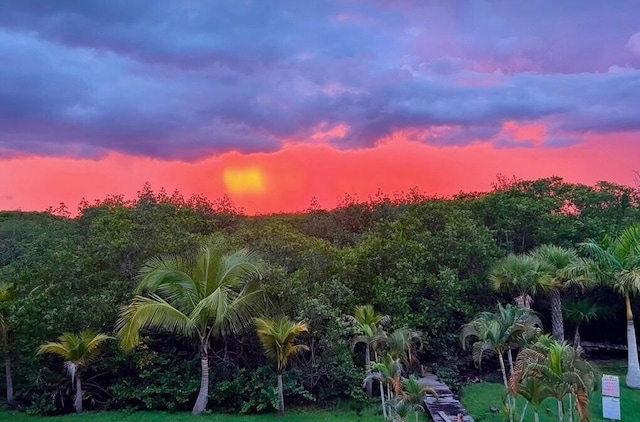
(286, 180)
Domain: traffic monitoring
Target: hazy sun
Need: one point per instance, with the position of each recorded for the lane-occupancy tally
(244, 181)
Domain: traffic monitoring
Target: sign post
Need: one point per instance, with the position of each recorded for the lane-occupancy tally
(611, 397)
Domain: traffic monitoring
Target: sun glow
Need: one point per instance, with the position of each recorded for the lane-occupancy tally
(244, 181)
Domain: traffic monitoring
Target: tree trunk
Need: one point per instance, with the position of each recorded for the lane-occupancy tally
(633, 371)
(524, 411)
(9, 379)
(506, 385)
(280, 395)
(570, 407)
(384, 405)
(77, 403)
(510, 356)
(557, 324)
(560, 411)
(536, 418)
(203, 395)
(367, 362)
(576, 337)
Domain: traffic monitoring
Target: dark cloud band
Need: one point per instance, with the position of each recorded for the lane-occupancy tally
(186, 79)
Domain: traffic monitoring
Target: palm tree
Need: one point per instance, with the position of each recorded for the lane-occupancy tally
(497, 331)
(7, 295)
(403, 344)
(368, 323)
(562, 371)
(277, 338)
(519, 275)
(376, 374)
(413, 393)
(579, 312)
(561, 268)
(213, 294)
(618, 263)
(388, 372)
(535, 392)
(78, 351)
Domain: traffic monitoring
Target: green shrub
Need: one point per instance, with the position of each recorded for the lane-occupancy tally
(255, 391)
(158, 381)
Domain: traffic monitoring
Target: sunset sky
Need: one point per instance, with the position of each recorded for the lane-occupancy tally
(275, 102)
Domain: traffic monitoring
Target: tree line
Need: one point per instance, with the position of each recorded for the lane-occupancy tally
(426, 263)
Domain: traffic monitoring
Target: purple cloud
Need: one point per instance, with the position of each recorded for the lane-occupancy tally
(187, 79)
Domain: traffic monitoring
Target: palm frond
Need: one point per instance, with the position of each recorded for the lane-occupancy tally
(54, 348)
(239, 310)
(150, 312)
(278, 337)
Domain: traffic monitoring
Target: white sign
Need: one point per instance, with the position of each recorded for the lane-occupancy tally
(611, 408)
(610, 386)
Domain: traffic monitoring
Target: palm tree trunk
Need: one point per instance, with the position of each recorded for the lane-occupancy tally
(510, 356)
(506, 385)
(367, 363)
(560, 411)
(524, 411)
(77, 403)
(9, 379)
(557, 324)
(280, 395)
(384, 405)
(203, 395)
(536, 418)
(570, 407)
(576, 337)
(633, 371)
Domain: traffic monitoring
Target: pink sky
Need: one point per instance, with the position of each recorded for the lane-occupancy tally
(290, 177)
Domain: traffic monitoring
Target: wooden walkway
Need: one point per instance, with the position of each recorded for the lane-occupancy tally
(445, 408)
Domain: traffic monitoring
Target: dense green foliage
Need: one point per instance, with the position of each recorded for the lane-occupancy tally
(422, 261)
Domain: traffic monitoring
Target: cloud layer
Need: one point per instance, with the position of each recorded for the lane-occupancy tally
(184, 80)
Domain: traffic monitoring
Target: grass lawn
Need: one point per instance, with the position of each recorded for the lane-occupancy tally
(342, 413)
(366, 415)
(478, 399)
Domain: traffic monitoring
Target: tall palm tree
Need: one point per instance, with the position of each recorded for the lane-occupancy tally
(213, 294)
(388, 372)
(579, 312)
(278, 338)
(7, 295)
(561, 268)
(369, 324)
(562, 371)
(495, 332)
(519, 275)
(618, 263)
(78, 351)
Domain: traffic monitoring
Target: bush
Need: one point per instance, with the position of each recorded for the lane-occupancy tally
(255, 391)
(153, 380)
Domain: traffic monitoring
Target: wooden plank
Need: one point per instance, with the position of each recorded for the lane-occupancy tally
(444, 416)
(445, 408)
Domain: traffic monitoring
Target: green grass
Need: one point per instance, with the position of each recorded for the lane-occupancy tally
(341, 414)
(478, 399)
(295, 415)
